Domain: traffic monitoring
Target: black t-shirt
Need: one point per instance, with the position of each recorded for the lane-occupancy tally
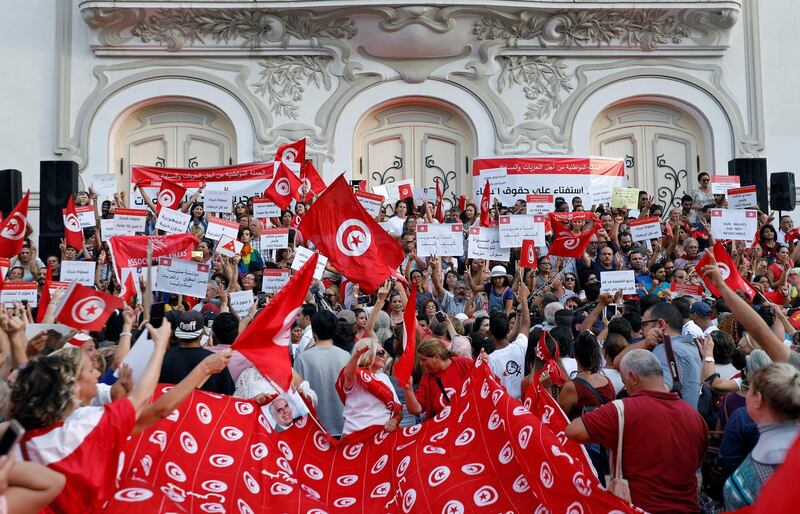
(179, 362)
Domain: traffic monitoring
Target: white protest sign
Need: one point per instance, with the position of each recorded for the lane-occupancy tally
(602, 188)
(742, 197)
(108, 228)
(264, 208)
(138, 356)
(229, 247)
(440, 239)
(720, 184)
(370, 202)
(172, 221)
(425, 193)
(484, 243)
(273, 280)
(130, 221)
(383, 191)
(274, 238)
(538, 204)
(735, 224)
(85, 214)
(624, 197)
(497, 177)
(240, 301)
(182, 277)
(218, 200)
(218, 227)
(515, 228)
(613, 281)
(80, 272)
(18, 292)
(302, 254)
(645, 229)
(104, 184)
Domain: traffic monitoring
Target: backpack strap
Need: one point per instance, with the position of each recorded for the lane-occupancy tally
(672, 365)
(590, 387)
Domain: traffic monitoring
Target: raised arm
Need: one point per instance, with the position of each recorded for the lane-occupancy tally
(185, 206)
(351, 367)
(436, 277)
(383, 293)
(124, 344)
(147, 199)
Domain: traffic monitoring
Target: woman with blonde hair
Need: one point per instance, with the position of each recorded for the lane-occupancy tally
(366, 391)
(444, 374)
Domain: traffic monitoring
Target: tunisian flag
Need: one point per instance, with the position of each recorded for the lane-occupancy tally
(567, 244)
(12, 229)
(309, 176)
(355, 244)
(170, 195)
(86, 309)
(285, 187)
(485, 205)
(73, 233)
(527, 257)
(291, 154)
(131, 251)
(439, 203)
(730, 274)
(44, 299)
(405, 365)
(265, 341)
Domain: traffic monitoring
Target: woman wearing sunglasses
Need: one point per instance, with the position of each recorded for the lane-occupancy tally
(366, 391)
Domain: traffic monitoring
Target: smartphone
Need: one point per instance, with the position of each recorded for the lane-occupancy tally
(157, 314)
(12, 435)
(611, 311)
(262, 299)
(441, 317)
(363, 299)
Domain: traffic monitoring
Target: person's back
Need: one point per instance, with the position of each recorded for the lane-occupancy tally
(179, 361)
(687, 357)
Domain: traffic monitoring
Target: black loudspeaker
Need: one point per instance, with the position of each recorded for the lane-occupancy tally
(753, 172)
(11, 186)
(782, 194)
(57, 180)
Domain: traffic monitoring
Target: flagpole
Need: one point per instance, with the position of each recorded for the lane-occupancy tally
(147, 301)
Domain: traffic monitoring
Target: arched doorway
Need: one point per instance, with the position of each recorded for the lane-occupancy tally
(418, 139)
(662, 144)
(174, 134)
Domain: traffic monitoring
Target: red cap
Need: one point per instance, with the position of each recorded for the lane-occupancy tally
(79, 340)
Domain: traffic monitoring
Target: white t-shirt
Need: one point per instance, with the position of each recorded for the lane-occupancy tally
(615, 378)
(509, 365)
(306, 338)
(690, 328)
(363, 409)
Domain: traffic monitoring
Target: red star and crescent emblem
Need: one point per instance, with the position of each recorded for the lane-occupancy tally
(166, 198)
(15, 228)
(282, 187)
(71, 222)
(353, 238)
(289, 156)
(87, 310)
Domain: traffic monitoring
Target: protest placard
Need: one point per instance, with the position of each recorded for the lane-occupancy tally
(382, 190)
(370, 202)
(686, 289)
(264, 208)
(424, 193)
(240, 301)
(108, 228)
(130, 221)
(302, 254)
(497, 177)
(720, 184)
(104, 184)
(80, 272)
(440, 239)
(18, 292)
(218, 227)
(229, 247)
(274, 238)
(273, 280)
(538, 204)
(735, 224)
(484, 243)
(179, 276)
(172, 221)
(515, 228)
(55, 286)
(625, 197)
(85, 214)
(613, 281)
(138, 356)
(645, 229)
(742, 197)
(602, 188)
(217, 200)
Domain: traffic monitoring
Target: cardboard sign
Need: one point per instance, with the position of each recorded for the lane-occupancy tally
(179, 276)
(382, 190)
(172, 221)
(55, 286)
(613, 281)
(625, 197)
(484, 243)
(686, 289)
(104, 184)
(515, 228)
(218, 200)
(371, 202)
(218, 227)
(85, 214)
(735, 224)
(424, 193)
(138, 357)
(720, 184)
(497, 177)
(130, 221)
(18, 292)
(645, 229)
(538, 204)
(273, 280)
(302, 254)
(742, 197)
(229, 247)
(274, 238)
(264, 208)
(108, 229)
(240, 301)
(440, 239)
(602, 189)
(80, 272)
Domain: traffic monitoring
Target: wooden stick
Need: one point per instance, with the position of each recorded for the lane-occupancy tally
(147, 301)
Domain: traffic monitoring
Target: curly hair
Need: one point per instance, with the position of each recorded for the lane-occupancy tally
(42, 394)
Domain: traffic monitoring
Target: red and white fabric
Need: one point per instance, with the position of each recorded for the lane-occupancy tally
(170, 195)
(86, 309)
(292, 154)
(284, 188)
(73, 233)
(12, 229)
(371, 401)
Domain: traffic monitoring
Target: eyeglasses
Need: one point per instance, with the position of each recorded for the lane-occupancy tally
(704, 180)
(645, 321)
(569, 279)
(381, 353)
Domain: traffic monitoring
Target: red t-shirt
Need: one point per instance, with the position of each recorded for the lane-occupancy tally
(429, 394)
(662, 448)
(85, 449)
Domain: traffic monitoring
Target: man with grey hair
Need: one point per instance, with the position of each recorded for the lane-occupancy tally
(663, 439)
(457, 302)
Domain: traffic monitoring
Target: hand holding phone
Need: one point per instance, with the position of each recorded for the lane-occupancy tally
(11, 436)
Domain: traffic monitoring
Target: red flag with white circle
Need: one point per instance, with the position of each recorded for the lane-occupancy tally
(170, 195)
(12, 229)
(86, 309)
(405, 364)
(527, 258)
(284, 188)
(292, 154)
(73, 233)
(566, 243)
(486, 205)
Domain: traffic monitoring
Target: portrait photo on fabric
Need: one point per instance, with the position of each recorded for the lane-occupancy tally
(284, 410)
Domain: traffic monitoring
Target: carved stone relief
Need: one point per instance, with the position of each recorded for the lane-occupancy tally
(282, 80)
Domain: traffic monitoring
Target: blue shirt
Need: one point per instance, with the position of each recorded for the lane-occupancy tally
(687, 357)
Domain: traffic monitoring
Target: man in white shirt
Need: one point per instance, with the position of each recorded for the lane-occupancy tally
(304, 321)
(700, 315)
(689, 328)
(508, 360)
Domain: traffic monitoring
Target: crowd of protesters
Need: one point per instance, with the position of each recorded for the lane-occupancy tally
(709, 386)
